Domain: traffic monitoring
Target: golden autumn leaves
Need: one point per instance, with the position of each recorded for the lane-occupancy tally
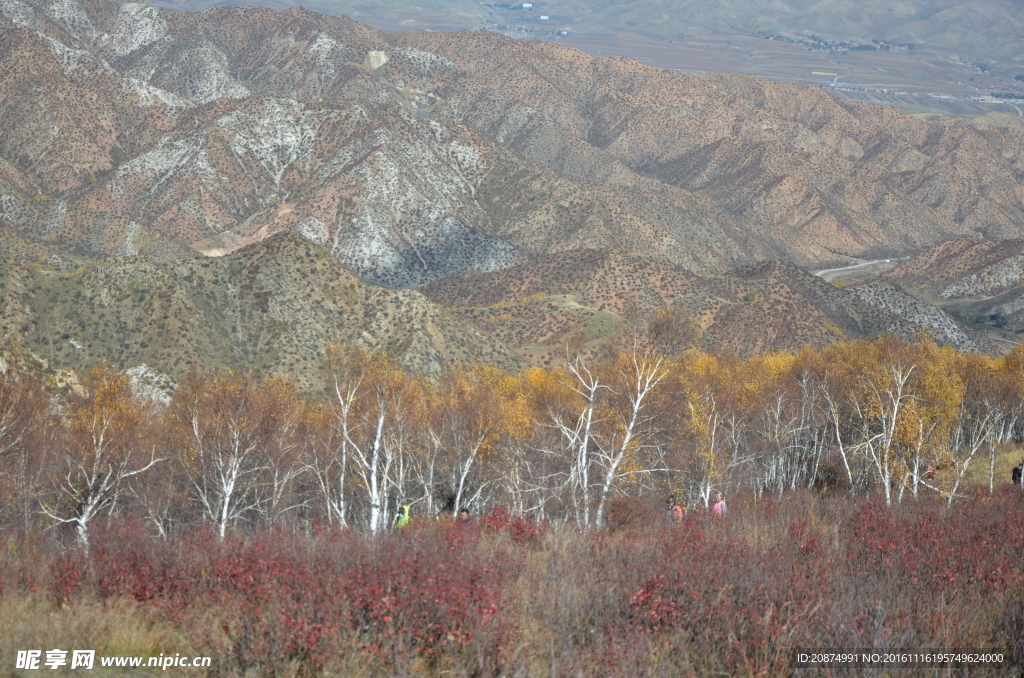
(882, 416)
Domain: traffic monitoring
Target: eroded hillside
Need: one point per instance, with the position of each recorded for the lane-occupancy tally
(979, 282)
(555, 198)
(411, 156)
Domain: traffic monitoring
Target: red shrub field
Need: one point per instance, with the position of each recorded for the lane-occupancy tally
(500, 596)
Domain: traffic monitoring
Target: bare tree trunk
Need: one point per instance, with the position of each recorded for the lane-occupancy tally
(577, 436)
(646, 373)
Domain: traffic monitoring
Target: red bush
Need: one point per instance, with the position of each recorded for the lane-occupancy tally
(702, 596)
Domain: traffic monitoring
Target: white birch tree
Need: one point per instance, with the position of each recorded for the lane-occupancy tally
(105, 447)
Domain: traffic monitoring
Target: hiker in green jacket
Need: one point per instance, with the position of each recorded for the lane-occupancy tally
(402, 519)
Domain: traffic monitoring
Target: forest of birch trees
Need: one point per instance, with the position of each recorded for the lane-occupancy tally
(563, 444)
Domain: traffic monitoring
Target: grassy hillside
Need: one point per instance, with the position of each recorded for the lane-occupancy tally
(590, 298)
(272, 307)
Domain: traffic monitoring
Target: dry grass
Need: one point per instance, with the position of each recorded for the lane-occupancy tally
(29, 622)
(1007, 456)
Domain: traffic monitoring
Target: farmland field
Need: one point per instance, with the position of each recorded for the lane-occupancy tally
(906, 72)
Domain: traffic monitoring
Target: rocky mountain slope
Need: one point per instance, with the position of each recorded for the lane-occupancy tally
(546, 197)
(273, 307)
(978, 281)
(412, 156)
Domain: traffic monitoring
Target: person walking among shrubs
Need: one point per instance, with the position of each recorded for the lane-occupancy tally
(402, 519)
(673, 511)
(719, 509)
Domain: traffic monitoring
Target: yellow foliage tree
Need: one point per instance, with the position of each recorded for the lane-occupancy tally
(104, 436)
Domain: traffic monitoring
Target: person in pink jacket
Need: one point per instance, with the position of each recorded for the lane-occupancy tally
(719, 508)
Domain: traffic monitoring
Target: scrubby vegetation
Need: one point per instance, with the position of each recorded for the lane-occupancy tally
(502, 596)
(244, 519)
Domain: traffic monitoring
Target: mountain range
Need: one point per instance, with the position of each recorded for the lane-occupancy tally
(163, 160)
